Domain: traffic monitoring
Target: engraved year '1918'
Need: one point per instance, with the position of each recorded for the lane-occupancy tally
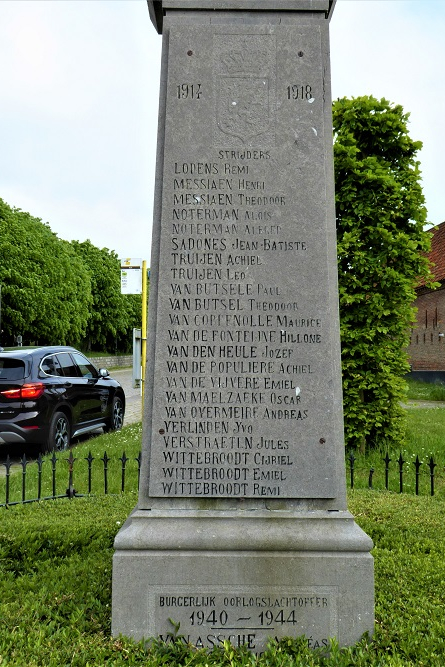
(297, 92)
(189, 91)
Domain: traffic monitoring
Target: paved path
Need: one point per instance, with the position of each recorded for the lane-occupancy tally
(424, 404)
(133, 413)
(133, 410)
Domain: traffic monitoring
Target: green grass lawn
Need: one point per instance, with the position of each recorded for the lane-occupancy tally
(56, 564)
(55, 589)
(425, 391)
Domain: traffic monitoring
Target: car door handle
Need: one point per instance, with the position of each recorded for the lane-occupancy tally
(68, 384)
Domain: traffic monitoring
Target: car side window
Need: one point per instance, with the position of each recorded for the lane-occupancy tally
(68, 366)
(86, 368)
(50, 366)
(12, 369)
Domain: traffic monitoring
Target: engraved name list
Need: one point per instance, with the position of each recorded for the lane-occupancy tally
(242, 372)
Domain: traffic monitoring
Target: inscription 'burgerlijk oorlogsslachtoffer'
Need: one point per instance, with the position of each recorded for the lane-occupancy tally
(246, 615)
(243, 392)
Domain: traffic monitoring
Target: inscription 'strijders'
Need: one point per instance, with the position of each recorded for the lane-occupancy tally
(239, 385)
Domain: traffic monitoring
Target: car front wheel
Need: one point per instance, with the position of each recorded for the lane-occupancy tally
(117, 415)
(59, 433)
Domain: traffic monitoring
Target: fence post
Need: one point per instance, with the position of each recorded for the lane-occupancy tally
(89, 459)
(71, 491)
(54, 464)
(105, 459)
(39, 465)
(432, 465)
(139, 460)
(7, 465)
(371, 472)
(401, 462)
(351, 468)
(124, 460)
(387, 461)
(23, 463)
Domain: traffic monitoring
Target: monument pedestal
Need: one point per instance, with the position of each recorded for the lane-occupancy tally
(242, 575)
(242, 530)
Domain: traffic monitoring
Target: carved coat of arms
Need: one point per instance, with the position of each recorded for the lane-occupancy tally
(243, 108)
(243, 90)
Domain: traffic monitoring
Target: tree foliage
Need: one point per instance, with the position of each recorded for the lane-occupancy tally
(46, 293)
(133, 304)
(112, 314)
(56, 292)
(381, 255)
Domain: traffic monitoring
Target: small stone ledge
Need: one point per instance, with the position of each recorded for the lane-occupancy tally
(124, 361)
(242, 531)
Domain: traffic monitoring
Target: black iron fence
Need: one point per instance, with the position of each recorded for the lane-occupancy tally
(59, 476)
(401, 475)
(30, 481)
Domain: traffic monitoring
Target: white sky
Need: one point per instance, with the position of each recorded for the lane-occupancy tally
(79, 86)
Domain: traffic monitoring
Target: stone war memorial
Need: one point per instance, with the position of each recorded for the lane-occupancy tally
(241, 531)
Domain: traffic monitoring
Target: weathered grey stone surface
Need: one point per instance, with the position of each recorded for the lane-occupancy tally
(246, 383)
(157, 7)
(245, 578)
(246, 590)
(241, 529)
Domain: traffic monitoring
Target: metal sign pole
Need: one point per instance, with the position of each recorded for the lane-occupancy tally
(144, 325)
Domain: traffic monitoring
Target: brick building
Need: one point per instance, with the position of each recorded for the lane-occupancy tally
(427, 346)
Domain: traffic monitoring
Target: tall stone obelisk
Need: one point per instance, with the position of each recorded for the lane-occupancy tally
(241, 531)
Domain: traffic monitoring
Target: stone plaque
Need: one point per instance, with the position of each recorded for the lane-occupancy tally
(245, 615)
(244, 394)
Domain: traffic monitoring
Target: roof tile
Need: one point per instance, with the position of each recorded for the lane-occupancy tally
(437, 253)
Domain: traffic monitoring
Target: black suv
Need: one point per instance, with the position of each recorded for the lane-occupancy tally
(49, 395)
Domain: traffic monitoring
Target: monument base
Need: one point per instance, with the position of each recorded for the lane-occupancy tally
(211, 576)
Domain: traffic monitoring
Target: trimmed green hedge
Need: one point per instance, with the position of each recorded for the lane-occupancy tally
(55, 589)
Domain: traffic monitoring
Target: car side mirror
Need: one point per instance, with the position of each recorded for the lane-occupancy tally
(103, 373)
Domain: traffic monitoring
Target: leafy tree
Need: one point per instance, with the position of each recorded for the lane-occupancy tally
(45, 286)
(113, 315)
(381, 255)
(133, 305)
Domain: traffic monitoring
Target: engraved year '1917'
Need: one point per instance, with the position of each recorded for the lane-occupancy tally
(189, 91)
(298, 92)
